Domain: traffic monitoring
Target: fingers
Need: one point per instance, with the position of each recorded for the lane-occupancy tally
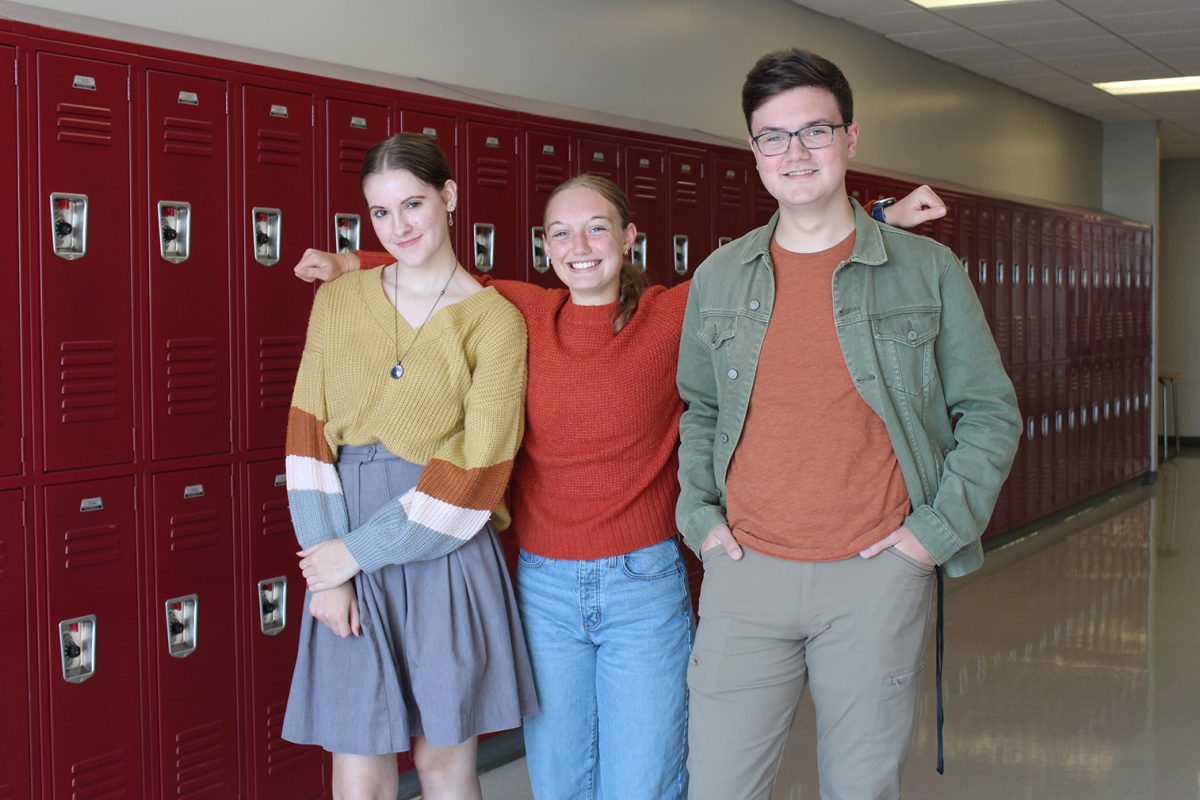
(732, 548)
(355, 627)
(879, 547)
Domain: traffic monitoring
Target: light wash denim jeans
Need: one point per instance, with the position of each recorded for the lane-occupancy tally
(609, 639)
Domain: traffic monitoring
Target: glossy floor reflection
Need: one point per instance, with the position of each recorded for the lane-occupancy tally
(1072, 672)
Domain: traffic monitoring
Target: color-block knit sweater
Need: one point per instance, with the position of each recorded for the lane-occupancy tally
(457, 411)
(596, 474)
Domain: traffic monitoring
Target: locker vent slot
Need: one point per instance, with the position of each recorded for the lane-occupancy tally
(188, 137)
(547, 176)
(283, 756)
(88, 385)
(191, 368)
(492, 172)
(645, 188)
(351, 153)
(194, 530)
(84, 124)
(281, 148)
(200, 769)
(87, 547)
(276, 519)
(731, 197)
(278, 361)
(101, 776)
(686, 194)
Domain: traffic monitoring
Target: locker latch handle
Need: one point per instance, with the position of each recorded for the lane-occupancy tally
(272, 605)
(78, 639)
(68, 225)
(681, 254)
(638, 253)
(346, 234)
(182, 617)
(174, 230)
(541, 264)
(485, 246)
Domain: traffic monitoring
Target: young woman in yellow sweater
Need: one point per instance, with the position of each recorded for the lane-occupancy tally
(407, 413)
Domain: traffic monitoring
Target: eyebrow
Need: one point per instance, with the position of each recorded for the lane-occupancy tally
(809, 124)
(600, 217)
(405, 200)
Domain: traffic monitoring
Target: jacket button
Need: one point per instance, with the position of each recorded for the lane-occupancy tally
(724, 438)
(732, 374)
(754, 305)
(912, 336)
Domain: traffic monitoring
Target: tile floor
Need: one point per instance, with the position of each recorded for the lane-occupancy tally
(1072, 665)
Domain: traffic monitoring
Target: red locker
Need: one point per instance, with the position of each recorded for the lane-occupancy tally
(1074, 454)
(648, 197)
(95, 746)
(1087, 261)
(1012, 495)
(1018, 297)
(492, 201)
(548, 162)
(85, 251)
(765, 205)
(194, 664)
(859, 185)
(600, 157)
(732, 197)
(15, 607)
(1107, 440)
(1108, 301)
(12, 339)
(443, 130)
(276, 227)
(1047, 441)
(691, 209)
(1071, 296)
(188, 265)
(273, 605)
(1055, 338)
(1086, 437)
(351, 129)
(984, 248)
(1031, 447)
(1003, 327)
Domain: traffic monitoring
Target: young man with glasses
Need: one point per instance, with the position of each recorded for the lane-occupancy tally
(849, 426)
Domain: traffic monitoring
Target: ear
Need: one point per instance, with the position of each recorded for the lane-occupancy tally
(629, 237)
(450, 195)
(852, 139)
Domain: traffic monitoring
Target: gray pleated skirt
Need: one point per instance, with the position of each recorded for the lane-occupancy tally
(441, 653)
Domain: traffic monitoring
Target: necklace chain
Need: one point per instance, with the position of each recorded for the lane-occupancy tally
(397, 371)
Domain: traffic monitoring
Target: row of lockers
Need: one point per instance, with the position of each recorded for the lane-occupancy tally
(148, 308)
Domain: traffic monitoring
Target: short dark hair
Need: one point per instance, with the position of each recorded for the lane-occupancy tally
(790, 69)
(415, 152)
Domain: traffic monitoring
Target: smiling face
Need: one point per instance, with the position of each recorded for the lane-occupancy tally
(801, 180)
(409, 215)
(587, 242)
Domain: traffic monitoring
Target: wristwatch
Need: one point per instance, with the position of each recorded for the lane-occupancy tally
(878, 206)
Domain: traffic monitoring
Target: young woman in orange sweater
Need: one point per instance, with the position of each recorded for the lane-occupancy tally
(601, 587)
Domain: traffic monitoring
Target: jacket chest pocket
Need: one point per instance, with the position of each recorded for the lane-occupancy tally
(719, 333)
(904, 342)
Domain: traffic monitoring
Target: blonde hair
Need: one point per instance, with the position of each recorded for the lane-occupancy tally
(632, 282)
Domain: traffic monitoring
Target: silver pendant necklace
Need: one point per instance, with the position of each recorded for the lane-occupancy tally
(397, 372)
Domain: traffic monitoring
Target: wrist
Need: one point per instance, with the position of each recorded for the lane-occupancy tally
(349, 261)
(878, 207)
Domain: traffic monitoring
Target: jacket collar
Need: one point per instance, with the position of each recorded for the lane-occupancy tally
(868, 241)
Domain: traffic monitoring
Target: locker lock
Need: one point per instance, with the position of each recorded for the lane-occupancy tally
(62, 228)
(68, 225)
(174, 625)
(346, 231)
(182, 615)
(174, 230)
(266, 226)
(77, 638)
(70, 649)
(272, 605)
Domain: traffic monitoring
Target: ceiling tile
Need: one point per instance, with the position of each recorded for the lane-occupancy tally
(1043, 30)
(1108, 45)
(940, 40)
(1109, 8)
(1009, 69)
(1004, 13)
(1117, 67)
(1185, 60)
(1166, 40)
(914, 20)
(986, 54)
(1153, 22)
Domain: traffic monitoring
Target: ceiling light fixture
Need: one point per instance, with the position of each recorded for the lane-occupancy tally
(1190, 83)
(960, 3)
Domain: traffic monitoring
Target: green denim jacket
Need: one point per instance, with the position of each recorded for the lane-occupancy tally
(916, 343)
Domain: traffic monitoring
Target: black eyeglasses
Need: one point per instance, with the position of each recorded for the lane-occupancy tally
(814, 137)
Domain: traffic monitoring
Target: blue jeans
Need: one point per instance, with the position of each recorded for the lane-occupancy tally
(609, 639)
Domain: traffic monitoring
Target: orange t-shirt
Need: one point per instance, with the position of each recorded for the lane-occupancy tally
(814, 476)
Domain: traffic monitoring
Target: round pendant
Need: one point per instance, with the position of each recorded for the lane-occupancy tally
(397, 371)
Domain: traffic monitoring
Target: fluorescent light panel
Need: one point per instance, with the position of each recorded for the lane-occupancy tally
(1190, 83)
(958, 3)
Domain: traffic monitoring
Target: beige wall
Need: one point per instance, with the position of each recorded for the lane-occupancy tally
(1179, 285)
(678, 62)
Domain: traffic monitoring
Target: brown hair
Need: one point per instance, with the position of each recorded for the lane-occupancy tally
(782, 70)
(633, 281)
(414, 152)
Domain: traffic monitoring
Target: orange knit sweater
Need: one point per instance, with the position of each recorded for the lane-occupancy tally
(596, 472)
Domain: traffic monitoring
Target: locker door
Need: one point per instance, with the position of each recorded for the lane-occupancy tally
(443, 130)
(14, 637)
(648, 198)
(85, 255)
(732, 198)
(1016, 287)
(1032, 444)
(765, 205)
(1144, 305)
(492, 201)
(271, 616)
(11, 334)
(1047, 441)
(1054, 296)
(1086, 263)
(691, 208)
(1012, 495)
(1084, 413)
(195, 665)
(1074, 491)
(188, 265)
(92, 629)
(1107, 306)
(859, 185)
(1035, 277)
(548, 162)
(1107, 442)
(984, 274)
(1072, 305)
(599, 157)
(1003, 328)
(351, 129)
(276, 227)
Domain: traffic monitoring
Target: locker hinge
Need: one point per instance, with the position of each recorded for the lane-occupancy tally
(128, 88)
(313, 112)
(16, 72)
